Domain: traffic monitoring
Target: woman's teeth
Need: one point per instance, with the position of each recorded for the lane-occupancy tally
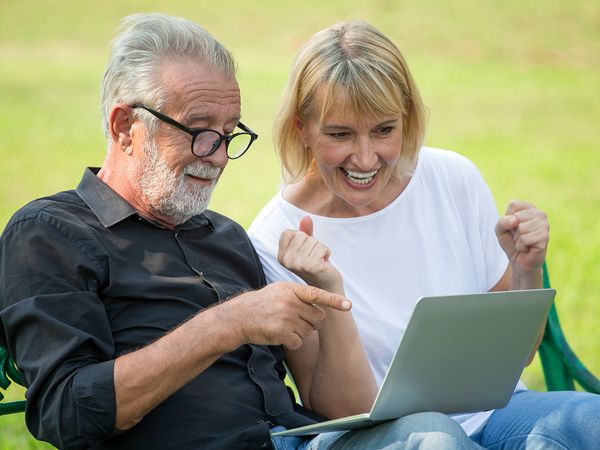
(359, 177)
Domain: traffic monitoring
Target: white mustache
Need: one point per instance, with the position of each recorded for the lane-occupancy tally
(202, 171)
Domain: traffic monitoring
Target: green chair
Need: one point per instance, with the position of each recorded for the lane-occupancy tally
(9, 373)
(561, 366)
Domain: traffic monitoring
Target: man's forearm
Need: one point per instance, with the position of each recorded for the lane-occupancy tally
(175, 359)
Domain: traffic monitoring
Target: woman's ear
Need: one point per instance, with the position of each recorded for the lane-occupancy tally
(299, 127)
(120, 121)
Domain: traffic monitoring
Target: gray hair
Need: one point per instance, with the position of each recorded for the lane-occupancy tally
(145, 41)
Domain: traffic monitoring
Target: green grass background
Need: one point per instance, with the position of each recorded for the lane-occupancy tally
(513, 85)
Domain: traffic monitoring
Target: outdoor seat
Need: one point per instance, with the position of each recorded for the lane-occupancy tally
(8, 374)
(561, 367)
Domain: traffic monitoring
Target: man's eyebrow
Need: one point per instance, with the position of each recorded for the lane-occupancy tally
(195, 117)
(208, 118)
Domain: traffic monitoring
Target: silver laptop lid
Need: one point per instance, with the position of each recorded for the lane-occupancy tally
(462, 353)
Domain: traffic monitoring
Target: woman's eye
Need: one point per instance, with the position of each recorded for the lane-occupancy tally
(340, 135)
(384, 131)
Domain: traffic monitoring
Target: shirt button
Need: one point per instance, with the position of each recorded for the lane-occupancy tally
(252, 370)
(264, 445)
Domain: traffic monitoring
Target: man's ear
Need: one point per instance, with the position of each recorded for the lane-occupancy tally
(120, 121)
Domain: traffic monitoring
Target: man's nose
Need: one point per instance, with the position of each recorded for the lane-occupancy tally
(219, 157)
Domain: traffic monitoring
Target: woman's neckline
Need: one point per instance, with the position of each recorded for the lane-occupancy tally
(398, 199)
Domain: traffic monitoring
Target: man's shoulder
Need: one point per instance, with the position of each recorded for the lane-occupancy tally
(61, 204)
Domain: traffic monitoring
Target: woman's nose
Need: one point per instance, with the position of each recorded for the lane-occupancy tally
(364, 155)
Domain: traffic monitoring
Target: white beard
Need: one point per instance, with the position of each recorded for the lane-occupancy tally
(168, 193)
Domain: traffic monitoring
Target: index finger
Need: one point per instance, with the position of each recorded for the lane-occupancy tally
(285, 238)
(506, 223)
(316, 296)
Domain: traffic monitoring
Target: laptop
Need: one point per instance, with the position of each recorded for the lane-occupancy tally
(459, 354)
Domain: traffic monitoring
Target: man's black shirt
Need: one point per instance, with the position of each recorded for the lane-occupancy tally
(84, 279)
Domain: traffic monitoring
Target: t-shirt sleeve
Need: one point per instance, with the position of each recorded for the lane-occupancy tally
(496, 261)
(55, 326)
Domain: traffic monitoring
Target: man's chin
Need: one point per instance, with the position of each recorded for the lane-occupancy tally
(180, 205)
(185, 214)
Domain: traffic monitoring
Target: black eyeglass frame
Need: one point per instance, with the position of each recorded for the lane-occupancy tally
(195, 132)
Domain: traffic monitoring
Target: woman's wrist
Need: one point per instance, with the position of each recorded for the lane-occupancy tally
(521, 279)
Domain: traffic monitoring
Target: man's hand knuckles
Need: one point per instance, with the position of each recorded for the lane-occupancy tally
(312, 293)
(292, 342)
(319, 318)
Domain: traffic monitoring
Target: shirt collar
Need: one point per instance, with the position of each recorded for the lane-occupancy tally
(111, 208)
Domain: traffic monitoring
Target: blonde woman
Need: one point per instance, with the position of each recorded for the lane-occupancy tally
(401, 220)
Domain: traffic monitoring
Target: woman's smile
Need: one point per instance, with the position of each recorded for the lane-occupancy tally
(359, 178)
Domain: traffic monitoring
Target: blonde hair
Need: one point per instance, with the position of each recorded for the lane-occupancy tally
(350, 58)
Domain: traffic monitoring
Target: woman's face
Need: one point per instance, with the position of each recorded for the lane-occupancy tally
(356, 156)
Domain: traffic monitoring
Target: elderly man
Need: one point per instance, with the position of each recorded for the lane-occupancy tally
(139, 318)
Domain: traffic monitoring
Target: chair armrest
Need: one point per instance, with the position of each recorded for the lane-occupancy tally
(8, 374)
(560, 363)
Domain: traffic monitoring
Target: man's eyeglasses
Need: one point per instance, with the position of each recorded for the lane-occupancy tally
(206, 141)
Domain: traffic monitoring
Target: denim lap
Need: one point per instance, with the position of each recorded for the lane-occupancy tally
(416, 431)
(544, 420)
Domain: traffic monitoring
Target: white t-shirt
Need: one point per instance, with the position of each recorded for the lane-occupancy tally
(437, 237)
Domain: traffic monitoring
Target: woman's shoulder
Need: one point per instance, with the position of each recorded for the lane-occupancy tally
(454, 174)
(447, 164)
(443, 158)
(272, 218)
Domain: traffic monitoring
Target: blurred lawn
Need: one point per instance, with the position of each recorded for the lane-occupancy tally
(513, 85)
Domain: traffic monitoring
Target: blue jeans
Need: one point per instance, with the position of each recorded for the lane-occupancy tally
(417, 431)
(544, 420)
